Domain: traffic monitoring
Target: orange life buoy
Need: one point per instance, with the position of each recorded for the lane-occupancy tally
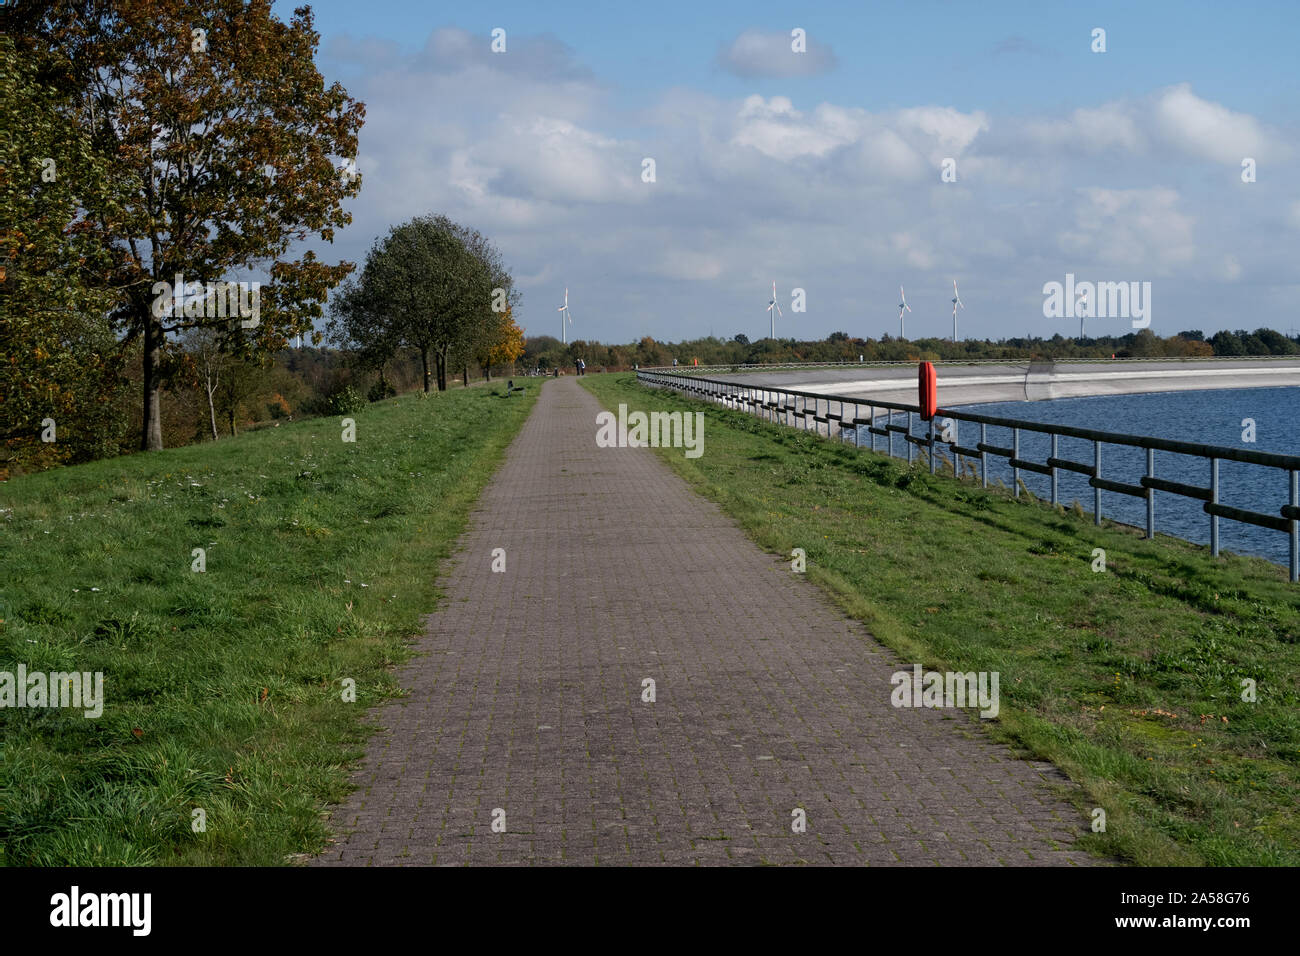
(929, 391)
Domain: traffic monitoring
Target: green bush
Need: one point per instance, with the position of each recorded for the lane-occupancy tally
(381, 390)
(345, 401)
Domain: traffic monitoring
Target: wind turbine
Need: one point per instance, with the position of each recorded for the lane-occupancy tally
(772, 305)
(901, 307)
(564, 330)
(956, 301)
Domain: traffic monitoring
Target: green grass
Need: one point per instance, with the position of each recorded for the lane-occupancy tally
(1122, 678)
(224, 689)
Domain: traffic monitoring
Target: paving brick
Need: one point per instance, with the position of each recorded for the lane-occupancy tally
(526, 695)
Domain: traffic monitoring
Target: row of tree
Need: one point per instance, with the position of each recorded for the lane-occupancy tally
(546, 352)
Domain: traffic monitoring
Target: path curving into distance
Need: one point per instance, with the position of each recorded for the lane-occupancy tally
(526, 697)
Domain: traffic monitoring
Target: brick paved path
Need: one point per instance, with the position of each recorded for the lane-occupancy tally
(527, 696)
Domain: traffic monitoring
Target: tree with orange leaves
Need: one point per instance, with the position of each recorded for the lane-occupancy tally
(502, 346)
(233, 148)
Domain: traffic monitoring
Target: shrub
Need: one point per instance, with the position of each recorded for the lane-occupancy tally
(345, 401)
(381, 390)
(278, 406)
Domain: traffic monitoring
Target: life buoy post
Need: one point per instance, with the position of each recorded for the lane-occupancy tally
(929, 391)
(928, 399)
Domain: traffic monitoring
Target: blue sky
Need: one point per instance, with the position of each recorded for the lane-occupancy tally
(821, 171)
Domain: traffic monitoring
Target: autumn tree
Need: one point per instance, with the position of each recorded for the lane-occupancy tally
(60, 370)
(215, 114)
(502, 346)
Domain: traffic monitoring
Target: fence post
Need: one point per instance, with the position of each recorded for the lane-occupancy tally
(909, 435)
(1056, 497)
(1096, 491)
(1295, 527)
(984, 456)
(889, 420)
(932, 446)
(1151, 495)
(1015, 471)
(1214, 498)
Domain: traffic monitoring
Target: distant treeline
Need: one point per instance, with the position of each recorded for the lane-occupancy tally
(547, 353)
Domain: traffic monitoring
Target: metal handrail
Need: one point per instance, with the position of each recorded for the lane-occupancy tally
(1287, 519)
(694, 370)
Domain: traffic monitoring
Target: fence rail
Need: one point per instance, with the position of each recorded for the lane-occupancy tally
(785, 406)
(695, 370)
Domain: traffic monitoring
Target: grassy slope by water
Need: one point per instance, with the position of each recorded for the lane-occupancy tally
(224, 689)
(1129, 680)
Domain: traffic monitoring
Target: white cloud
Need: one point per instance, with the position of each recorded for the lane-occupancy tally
(1112, 126)
(771, 54)
(678, 263)
(913, 251)
(1174, 118)
(906, 144)
(843, 201)
(1134, 228)
(1206, 129)
(949, 131)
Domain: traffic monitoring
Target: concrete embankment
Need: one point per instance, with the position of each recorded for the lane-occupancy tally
(1017, 382)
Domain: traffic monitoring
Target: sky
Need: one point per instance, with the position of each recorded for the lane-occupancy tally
(823, 170)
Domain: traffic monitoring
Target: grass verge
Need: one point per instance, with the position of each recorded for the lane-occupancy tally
(1129, 679)
(226, 689)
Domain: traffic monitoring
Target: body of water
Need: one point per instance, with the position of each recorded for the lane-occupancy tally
(1213, 417)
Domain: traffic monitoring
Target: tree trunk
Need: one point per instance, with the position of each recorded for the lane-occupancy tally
(465, 379)
(212, 414)
(424, 360)
(151, 430)
(441, 364)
